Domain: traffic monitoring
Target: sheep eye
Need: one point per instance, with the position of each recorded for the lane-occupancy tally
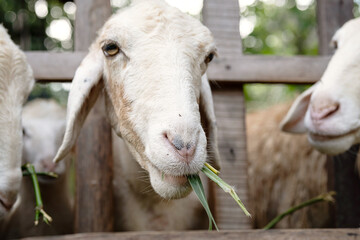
(110, 49)
(209, 58)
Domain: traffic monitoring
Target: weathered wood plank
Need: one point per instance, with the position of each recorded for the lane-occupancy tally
(94, 193)
(347, 186)
(94, 174)
(268, 69)
(61, 67)
(54, 67)
(228, 20)
(229, 110)
(293, 234)
(232, 146)
(331, 15)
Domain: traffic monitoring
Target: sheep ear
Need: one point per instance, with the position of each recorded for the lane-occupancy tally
(84, 91)
(294, 119)
(208, 122)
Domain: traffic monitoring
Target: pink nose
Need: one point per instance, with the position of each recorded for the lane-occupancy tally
(48, 164)
(8, 199)
(185, 149)
(323, 110)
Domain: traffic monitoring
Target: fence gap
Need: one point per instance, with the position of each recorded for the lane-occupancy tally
(94, 205)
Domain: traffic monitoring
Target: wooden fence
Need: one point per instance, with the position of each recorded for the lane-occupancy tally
(231, 71)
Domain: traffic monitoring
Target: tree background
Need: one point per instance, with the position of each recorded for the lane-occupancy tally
(277, 27)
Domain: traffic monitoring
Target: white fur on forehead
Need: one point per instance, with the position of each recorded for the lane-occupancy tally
(155, 19)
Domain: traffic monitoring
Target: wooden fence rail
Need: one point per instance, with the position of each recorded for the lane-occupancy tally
(60, 67)
(298, 234)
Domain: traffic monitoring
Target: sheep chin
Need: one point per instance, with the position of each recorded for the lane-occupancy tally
(166, 186)
(332, 146)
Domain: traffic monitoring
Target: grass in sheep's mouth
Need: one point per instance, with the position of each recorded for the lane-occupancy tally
(198, 188)
(29, 170)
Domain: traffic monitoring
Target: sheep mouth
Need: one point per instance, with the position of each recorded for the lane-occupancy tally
(177, 180)
(174, 180)
(323, 138)
(43, 179)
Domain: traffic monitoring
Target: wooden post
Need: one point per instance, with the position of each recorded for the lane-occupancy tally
(342, 177)
(94, 192)
(347, 187)
(222, 18)
(331, 15)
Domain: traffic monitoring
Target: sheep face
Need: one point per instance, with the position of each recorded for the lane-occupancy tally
(16, 82)
(41, 139)
(152, 58)
(329, 110)
(43, 123)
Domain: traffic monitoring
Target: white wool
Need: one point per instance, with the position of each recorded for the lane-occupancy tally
(16, 81)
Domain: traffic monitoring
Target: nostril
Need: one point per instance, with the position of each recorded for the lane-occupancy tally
(320, 113)
(185, 150)
(188, 146)
(178, 142)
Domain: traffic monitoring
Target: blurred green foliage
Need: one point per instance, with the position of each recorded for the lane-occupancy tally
(281, 30)
(26, 28)
(29, 32)
(50, 90)
(356, 8)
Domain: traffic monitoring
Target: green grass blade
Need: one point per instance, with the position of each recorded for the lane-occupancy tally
(226, 187)
(198, 188)
(29, 169)
(328, 197)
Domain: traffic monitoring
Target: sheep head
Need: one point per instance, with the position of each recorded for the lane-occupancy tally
(329, 111)
(43, 124)
(16, 82)
(151, 59)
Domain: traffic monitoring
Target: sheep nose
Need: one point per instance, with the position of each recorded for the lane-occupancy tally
(48, 164)
(8, 199)
(324, 109)
(185, 149)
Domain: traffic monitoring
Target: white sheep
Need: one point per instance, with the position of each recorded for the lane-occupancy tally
(151, 59)
(43, 127)
(16, 82)
(283, 171)
(329, 111)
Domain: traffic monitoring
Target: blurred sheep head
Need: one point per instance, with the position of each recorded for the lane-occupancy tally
(329, 111)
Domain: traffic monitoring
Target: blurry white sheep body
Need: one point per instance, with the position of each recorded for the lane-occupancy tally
(150, 59)
(329, 111)
(284, 171)
(43, 127)
(16, 82)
